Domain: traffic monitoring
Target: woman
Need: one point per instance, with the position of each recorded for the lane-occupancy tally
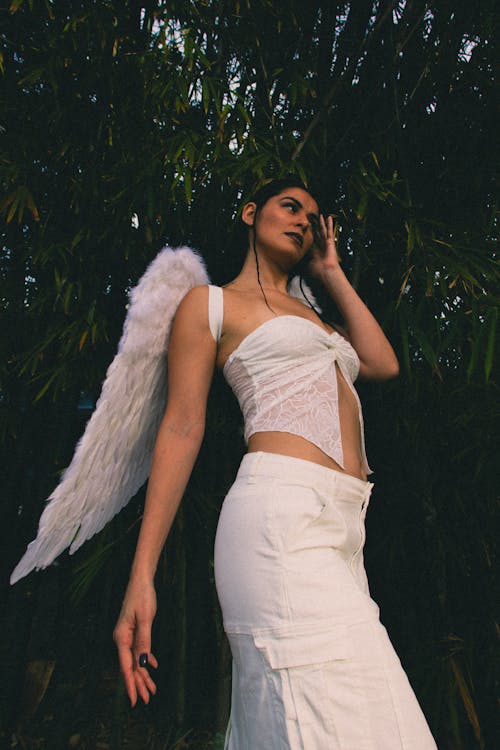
(313, 667)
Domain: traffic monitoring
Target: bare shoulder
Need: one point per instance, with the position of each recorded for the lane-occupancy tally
(191, 354)
(192, 348)
(194, 306)
(190, 327)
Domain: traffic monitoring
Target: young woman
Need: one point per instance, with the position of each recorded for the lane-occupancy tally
(313, 667)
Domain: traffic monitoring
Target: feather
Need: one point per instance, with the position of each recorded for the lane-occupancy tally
(113, 458)
(304, 295)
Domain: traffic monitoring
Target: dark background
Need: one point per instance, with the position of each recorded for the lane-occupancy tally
(126, 126)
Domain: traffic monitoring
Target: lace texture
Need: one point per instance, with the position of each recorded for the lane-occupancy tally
(284, 377)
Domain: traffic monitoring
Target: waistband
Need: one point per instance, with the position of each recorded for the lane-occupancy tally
(307, 473)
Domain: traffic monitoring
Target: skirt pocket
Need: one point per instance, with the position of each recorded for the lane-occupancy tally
(296, 649)
(313, 675)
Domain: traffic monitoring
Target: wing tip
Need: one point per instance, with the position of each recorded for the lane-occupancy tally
(22, 569)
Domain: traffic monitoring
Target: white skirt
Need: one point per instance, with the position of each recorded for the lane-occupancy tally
(313, 667)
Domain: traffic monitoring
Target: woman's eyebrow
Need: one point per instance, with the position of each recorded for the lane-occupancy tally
(300, 205)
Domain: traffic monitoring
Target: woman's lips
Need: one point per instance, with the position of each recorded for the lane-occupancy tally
(296, 237)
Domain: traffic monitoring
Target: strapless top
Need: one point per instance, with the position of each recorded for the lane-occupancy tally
(284, 376)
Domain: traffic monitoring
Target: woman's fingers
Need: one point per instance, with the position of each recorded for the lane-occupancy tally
(132, 636)
(123, 637)
(134, 643)
(328, 228)
(138, 681)
(153, 661)
(324, 229)
(144, 683)
(325, 256)
(143, 658)
(142, 639)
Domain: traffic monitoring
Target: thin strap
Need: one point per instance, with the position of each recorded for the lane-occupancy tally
(215, 310)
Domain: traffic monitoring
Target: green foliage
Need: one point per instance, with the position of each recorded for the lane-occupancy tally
(128, 125)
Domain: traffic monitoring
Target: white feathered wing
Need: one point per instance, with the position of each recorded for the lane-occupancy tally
(113, 458)
(304, 294)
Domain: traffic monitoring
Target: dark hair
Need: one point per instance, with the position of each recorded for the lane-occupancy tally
(275, 187)
(260, 198)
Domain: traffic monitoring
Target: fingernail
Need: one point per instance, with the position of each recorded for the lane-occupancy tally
(143, 660)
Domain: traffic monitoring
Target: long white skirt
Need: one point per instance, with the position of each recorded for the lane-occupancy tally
(313, 667)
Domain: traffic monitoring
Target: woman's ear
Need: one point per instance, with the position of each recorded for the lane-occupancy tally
(248, 213)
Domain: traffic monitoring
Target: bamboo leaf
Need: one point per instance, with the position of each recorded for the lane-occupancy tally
(30, 203)
(362, 206)
(67, 297)
(466, 697)
(410, 237)
(301, 172)
(375, 159)
(14, 205)
(83, 339)
(20, 199)
(47, 385)
(427, 349)
(404, 283)
(15, 5)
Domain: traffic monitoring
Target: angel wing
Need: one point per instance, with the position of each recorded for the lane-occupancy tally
(298, 288)
(113, 458)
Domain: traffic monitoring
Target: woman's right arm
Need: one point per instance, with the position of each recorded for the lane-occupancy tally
(191, 359)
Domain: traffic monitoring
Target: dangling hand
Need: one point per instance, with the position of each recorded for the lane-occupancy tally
(324, 255)
(132, 636)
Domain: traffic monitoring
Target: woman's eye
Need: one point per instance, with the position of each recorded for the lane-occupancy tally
(292, 207)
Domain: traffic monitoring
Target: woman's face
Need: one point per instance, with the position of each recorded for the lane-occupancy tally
(284, 225)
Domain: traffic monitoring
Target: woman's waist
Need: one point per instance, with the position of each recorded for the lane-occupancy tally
(257, 465)
(295, 446)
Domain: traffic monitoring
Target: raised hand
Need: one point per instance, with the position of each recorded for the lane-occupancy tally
(324, 254)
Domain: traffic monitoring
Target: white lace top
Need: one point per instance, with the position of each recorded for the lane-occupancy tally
(284, 377)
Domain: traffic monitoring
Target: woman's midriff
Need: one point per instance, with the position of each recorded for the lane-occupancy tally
(295, 446)
(287, 444)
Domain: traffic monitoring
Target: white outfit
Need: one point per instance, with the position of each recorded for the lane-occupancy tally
(284, 377)
(313, 668)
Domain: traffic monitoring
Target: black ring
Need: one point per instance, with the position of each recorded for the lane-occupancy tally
(143, 660)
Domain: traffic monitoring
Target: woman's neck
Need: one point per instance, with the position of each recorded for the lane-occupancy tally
(271, 276)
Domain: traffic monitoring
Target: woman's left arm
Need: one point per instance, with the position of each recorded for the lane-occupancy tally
(376, 355)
